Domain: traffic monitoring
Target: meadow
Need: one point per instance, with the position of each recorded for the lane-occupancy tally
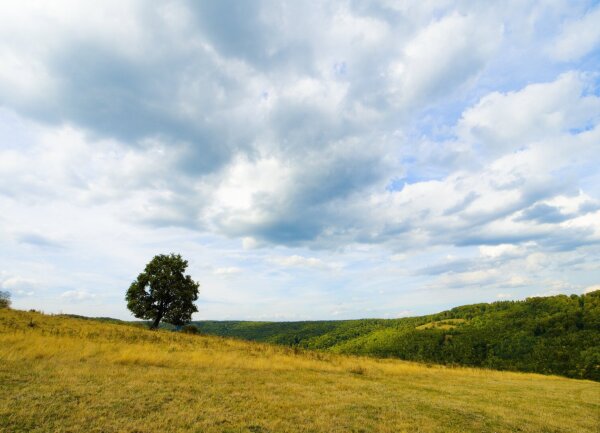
(63, 374)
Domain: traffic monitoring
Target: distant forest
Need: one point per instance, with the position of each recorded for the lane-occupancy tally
(550, 335)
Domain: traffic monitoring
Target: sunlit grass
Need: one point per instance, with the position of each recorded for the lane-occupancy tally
(442, 324)
(73, 375)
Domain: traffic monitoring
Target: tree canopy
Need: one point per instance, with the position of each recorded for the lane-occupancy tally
(162, 291)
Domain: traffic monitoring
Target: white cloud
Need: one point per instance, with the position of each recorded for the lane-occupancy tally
(480, 277)
(77, 295)
(227, 271)
(442, 56)
(518, 281)
(404, 313)
(505, 122)
(243, 187)
(578, 37)
(591, 289)
(249, 243)
(495, 251)
(16, 285)
(297, 261)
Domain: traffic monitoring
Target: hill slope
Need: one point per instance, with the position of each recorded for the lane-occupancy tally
(70, 375)
(552, 335)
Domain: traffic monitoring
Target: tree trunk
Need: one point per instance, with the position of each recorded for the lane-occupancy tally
(156, 322)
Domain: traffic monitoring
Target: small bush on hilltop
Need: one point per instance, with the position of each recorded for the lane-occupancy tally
(4, 299)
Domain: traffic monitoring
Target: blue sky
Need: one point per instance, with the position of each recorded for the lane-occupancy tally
(311, 160)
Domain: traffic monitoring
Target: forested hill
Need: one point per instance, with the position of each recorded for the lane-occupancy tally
(553, 335)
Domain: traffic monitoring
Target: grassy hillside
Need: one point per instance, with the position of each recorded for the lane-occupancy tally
(552, 335)
(64, 374)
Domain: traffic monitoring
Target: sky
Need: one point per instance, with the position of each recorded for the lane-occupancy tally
(310, 160)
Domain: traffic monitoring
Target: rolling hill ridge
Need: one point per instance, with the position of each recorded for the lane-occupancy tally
(551, 335)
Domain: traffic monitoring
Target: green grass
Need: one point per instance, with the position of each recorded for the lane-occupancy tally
(442, 324)
(62, 374)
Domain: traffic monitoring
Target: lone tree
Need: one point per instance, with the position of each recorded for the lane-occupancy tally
(162, 291)
(4, 299)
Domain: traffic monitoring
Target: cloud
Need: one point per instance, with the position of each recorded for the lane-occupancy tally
(449, 266)
(297, 261)
(462, 204)
(591, 289)
(77, 295)
(442, 56)
(578, 37)
(38, 240)
(404, 313)
(328, 196)
(299, 178)
(543, 213)
(502, 250)
(504, 122)
(18, 286)
(228, 271)
(470, 278)
(384, 140)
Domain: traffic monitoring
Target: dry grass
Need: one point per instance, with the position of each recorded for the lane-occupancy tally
(73, 375)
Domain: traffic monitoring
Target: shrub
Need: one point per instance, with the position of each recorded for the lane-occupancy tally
(4, 299)
(190, 329)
